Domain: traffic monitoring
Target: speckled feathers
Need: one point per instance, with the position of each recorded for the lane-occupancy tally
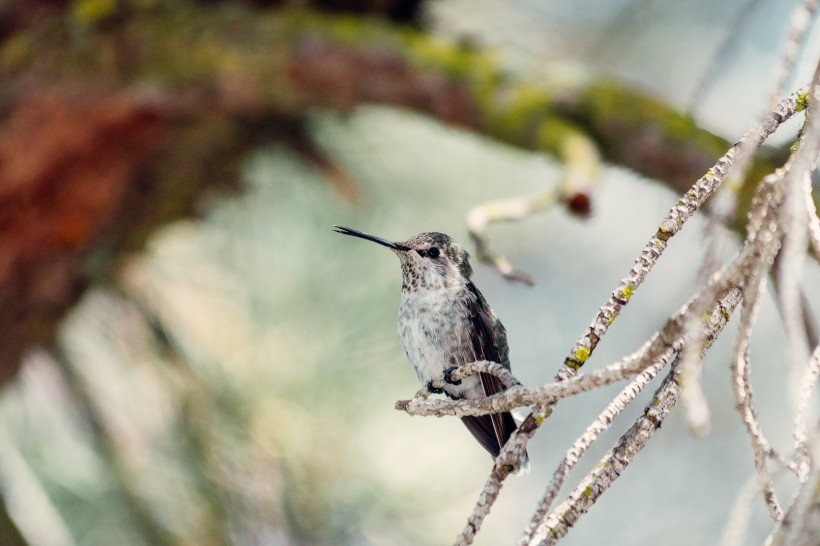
(444, 321)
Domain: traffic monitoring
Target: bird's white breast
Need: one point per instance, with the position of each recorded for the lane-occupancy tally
(434, 331)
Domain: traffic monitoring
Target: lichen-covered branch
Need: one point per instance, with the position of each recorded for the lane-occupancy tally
(593, 431)
(670, 225)
(612, 466)
(802, 17)
(583, 349)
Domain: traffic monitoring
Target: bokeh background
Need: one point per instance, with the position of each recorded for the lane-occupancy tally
(234, 382)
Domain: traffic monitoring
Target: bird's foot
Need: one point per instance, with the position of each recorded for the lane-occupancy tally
(432, 389)
(448, 376)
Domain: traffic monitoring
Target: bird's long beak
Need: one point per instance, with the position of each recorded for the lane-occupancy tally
(384, 242)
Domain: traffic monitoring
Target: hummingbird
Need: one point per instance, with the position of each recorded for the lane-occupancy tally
(444, 322)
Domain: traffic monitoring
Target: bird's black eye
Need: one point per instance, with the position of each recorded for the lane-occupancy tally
(433, 252)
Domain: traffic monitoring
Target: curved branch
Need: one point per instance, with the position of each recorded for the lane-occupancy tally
(144, 113)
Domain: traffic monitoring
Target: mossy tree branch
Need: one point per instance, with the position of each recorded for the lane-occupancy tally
(116, 118)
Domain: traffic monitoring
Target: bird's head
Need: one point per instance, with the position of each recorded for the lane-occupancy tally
(429, 260)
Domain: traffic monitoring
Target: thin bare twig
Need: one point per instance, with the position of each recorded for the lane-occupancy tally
(517, 396)
(745, 399)
(582, 167)
(495, 211)
(593, 431)
(631, 443)
(734, 276)
(796, 224)
(692, 397)
(734, 532)
(801, 524)
(801, 438)
(801, 22)
(670, 225)
(763, 232)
